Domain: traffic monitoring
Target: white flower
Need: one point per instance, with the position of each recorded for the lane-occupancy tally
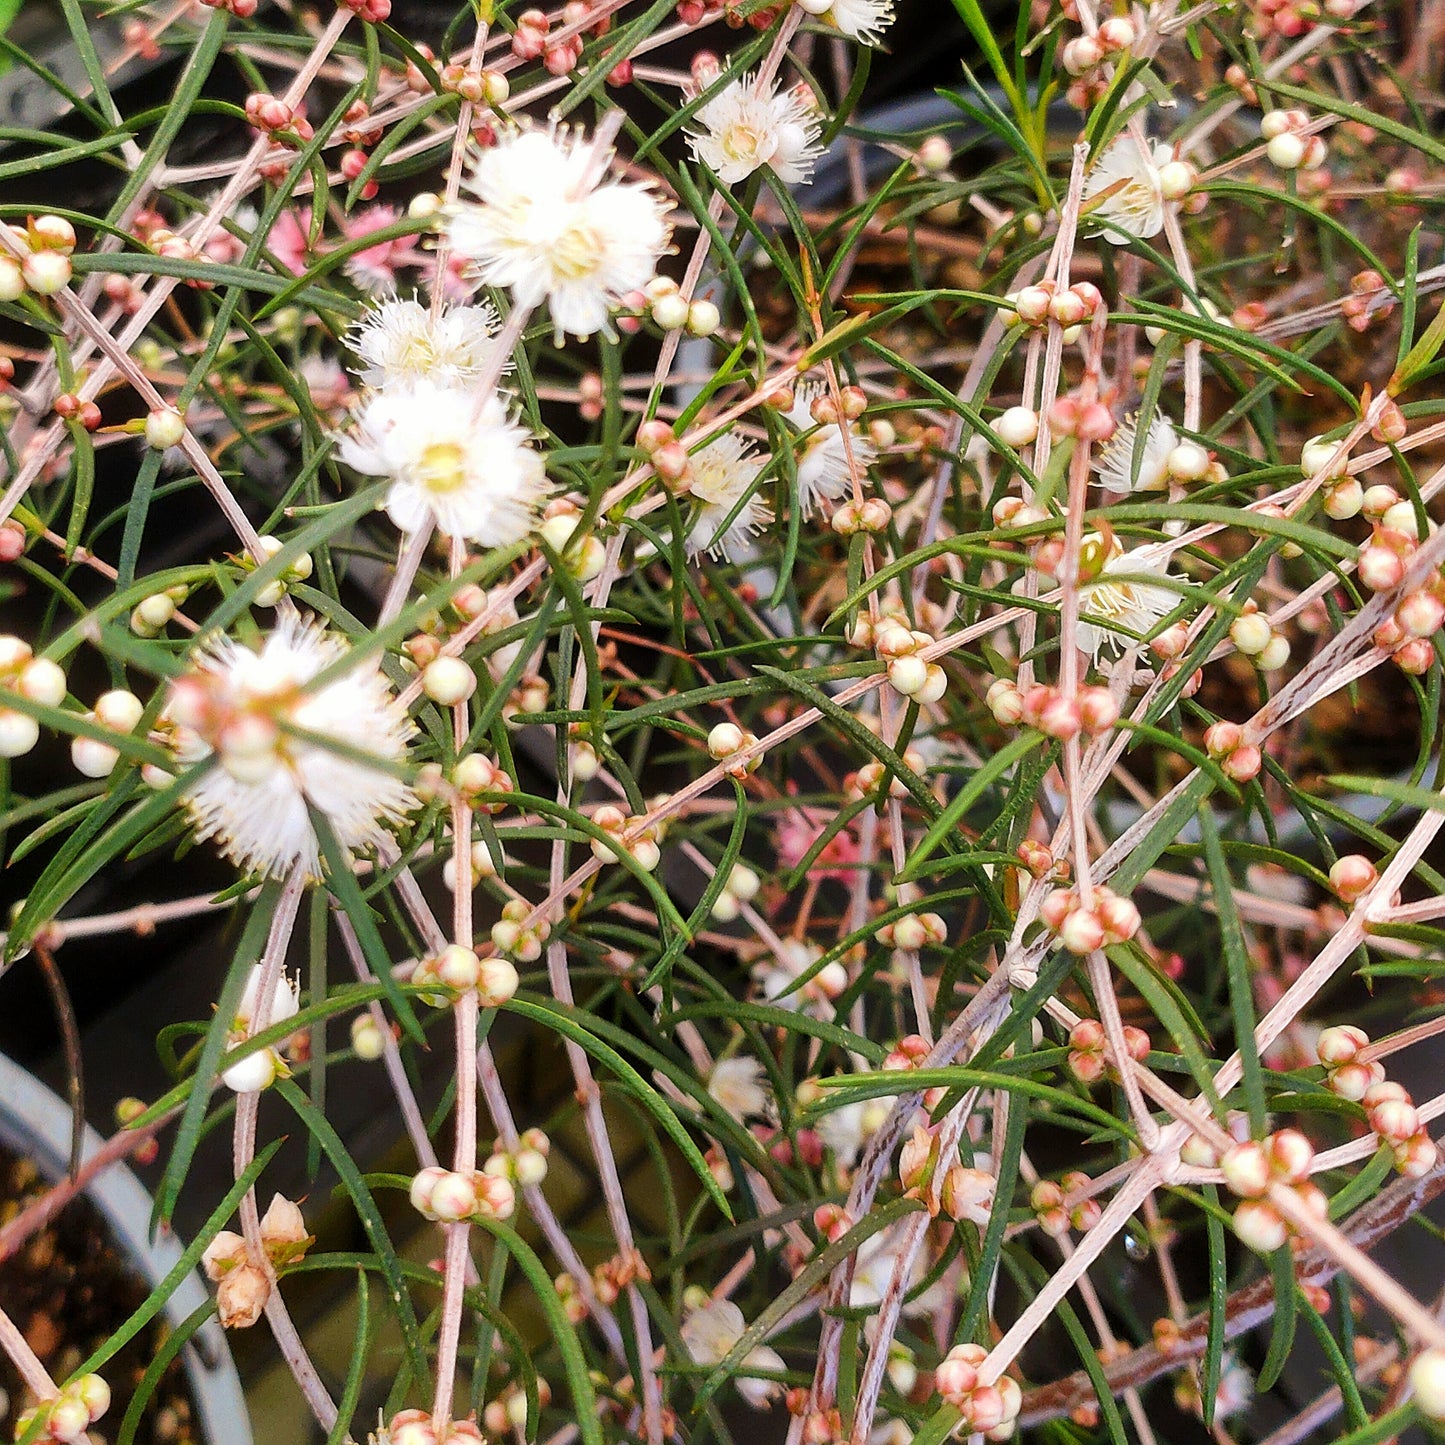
(1111, 609)
(1136, 209)
(400, 342)
(873, 1268)
(740, 1085)
(1115, 461)
(863, 20)
(778, 972)
(238, 703)
(547, 226)
(745, 127)
(1236, 1388)
(710, 1334)
(723, 474)
(823, 470)
(454, 458)
(257, 1070)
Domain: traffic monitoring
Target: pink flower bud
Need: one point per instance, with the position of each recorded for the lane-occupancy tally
(1222, 738)
(1340, 1044)
(1290, 1155)
(1243, 764)
(1351, 877)
(1098, 711)
(1118, 917)
(1380, 568)
(1082, 932)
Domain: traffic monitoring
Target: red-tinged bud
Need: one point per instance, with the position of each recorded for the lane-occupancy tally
(1290, 1155)
(1096, 423)
(1243, 764)
(1391, 426)
(1416, 1156)
(1098, 710)
(1036, 858)
(1222, 738)
(1351, 877)
(1081, 932)
(1414, 658)
(1136, 1043)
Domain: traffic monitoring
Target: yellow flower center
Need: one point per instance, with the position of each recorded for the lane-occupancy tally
(576, 252)
(443, 467)
(741, 142)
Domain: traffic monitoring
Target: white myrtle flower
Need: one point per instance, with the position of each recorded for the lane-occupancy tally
(1236, 1388)
(1114, 462)
(401, 342)
(1136, 208)
(777, 974)
(238, 703)
(878, 1256)
(257, 1070)
(723, 474)
(454, 458)
(740, 1085)
(745, 128)
(1113, 611)
(864, 20)
(710, 1334)
(823, 471)
(548, 226)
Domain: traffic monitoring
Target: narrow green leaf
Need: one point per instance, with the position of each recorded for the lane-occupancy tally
(1237, 966)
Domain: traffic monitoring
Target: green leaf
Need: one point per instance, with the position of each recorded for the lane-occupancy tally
(951, 818)
(1286, 1302)
(807, 1279)
(1237, 966)
(552, 1016)
(559, 1327)
(369, 1214)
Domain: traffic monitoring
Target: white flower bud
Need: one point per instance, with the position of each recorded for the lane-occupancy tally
(165, 427)
(1018, 426)
(1286, 150)
(702, 318)
(46, 272)
(93, 759)
(1274, 654)
(448, 681)
(1427, 1380)
(367, 1040)
(1176, 180)
(1315, 456)
(42, 681)
(119, 710)
(670, 311)
(1251, 633)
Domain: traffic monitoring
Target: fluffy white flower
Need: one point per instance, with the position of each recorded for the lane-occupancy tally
(1115, 462)
(710, 1334)
(1113, 611)
(745, 127)
(823, 471)
(1136, 208)
(740, 1085)
(723, 473)
(238, 703)
(454, 458)
(549, 227)
(401, 342)
(864, 20)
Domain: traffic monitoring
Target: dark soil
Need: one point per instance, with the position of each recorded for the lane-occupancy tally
(67, 1290)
